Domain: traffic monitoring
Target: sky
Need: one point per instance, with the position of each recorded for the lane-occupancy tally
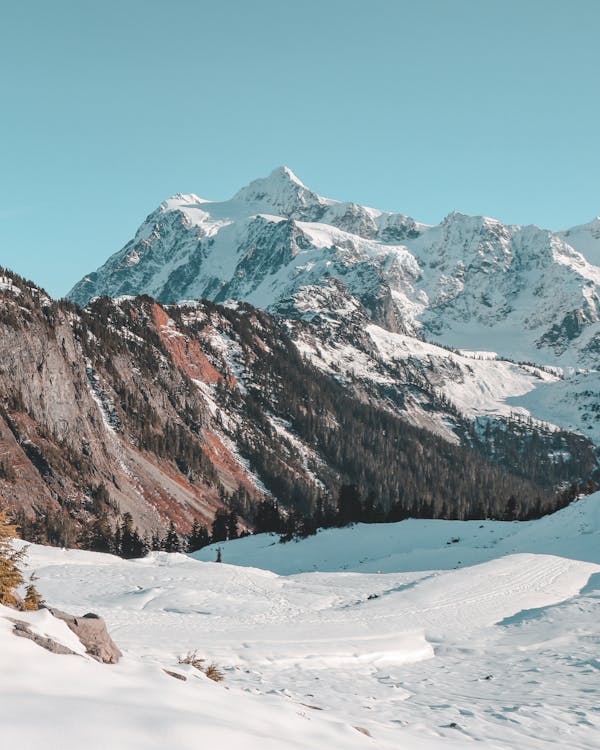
(107, 108)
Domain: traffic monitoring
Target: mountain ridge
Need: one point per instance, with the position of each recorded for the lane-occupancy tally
(276, 236)
(170, 413)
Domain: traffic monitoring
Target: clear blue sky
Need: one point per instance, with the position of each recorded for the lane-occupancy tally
(107, 108)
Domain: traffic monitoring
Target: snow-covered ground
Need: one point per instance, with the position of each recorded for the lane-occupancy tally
(473, 632)
(417, 545)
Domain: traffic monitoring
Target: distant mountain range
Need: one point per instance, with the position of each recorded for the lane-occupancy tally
(470, 281)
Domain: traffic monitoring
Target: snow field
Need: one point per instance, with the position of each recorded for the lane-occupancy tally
(492, 638)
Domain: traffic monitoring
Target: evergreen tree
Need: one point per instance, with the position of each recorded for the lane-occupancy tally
(220, 526)
(32, 599)
(156, 543)
(10, 575)
(267, 517)
(101, 538)
(319, 514)
(232, 525)
(117, 541)
(372, 511)
(128, 542)
(296, 526)
(350, 508)
(172, 542)
(198, 538)
(511, 509)
(100, 498)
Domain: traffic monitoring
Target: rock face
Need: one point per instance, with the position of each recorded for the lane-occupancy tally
(165, 411)
(463, 282)
(91, 631)
(98, 400)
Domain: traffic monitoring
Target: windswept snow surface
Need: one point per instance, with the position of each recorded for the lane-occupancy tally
(60, 702)
(474, 632)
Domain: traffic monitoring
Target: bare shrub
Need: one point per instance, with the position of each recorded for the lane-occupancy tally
(211, 670)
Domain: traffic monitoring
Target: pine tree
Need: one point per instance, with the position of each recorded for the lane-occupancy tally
(101, 536)
(10, 575)
(172, 543)
(349, 504)
(32, 597)
(126, 536)
(232, 525)
(117, 541)
(220, 526)
(267, 517)
(198, 538)
(156, 543)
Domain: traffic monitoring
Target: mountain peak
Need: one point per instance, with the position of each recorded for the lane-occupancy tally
(285, 173)
(281, 191)
(478, 219)
(593, 224)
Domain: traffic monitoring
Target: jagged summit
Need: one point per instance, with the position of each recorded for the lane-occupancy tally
(285, 173)
(281, 191)
(474, 220)
(280, 178)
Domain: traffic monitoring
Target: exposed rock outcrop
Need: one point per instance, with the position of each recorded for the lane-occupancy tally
(93, 634)
(23, 630)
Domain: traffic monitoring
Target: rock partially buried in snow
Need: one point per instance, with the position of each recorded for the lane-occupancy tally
(91, 631)
(23, 630)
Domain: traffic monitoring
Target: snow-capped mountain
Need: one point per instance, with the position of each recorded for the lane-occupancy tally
(585, 238)
(469, 282)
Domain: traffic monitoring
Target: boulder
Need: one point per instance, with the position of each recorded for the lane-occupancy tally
(91, 631)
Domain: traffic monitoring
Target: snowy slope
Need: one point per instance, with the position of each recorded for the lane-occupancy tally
(573, 532)
(573, 402)
(499, 649)
(70, 702)
(585, 238)
(343, 342)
